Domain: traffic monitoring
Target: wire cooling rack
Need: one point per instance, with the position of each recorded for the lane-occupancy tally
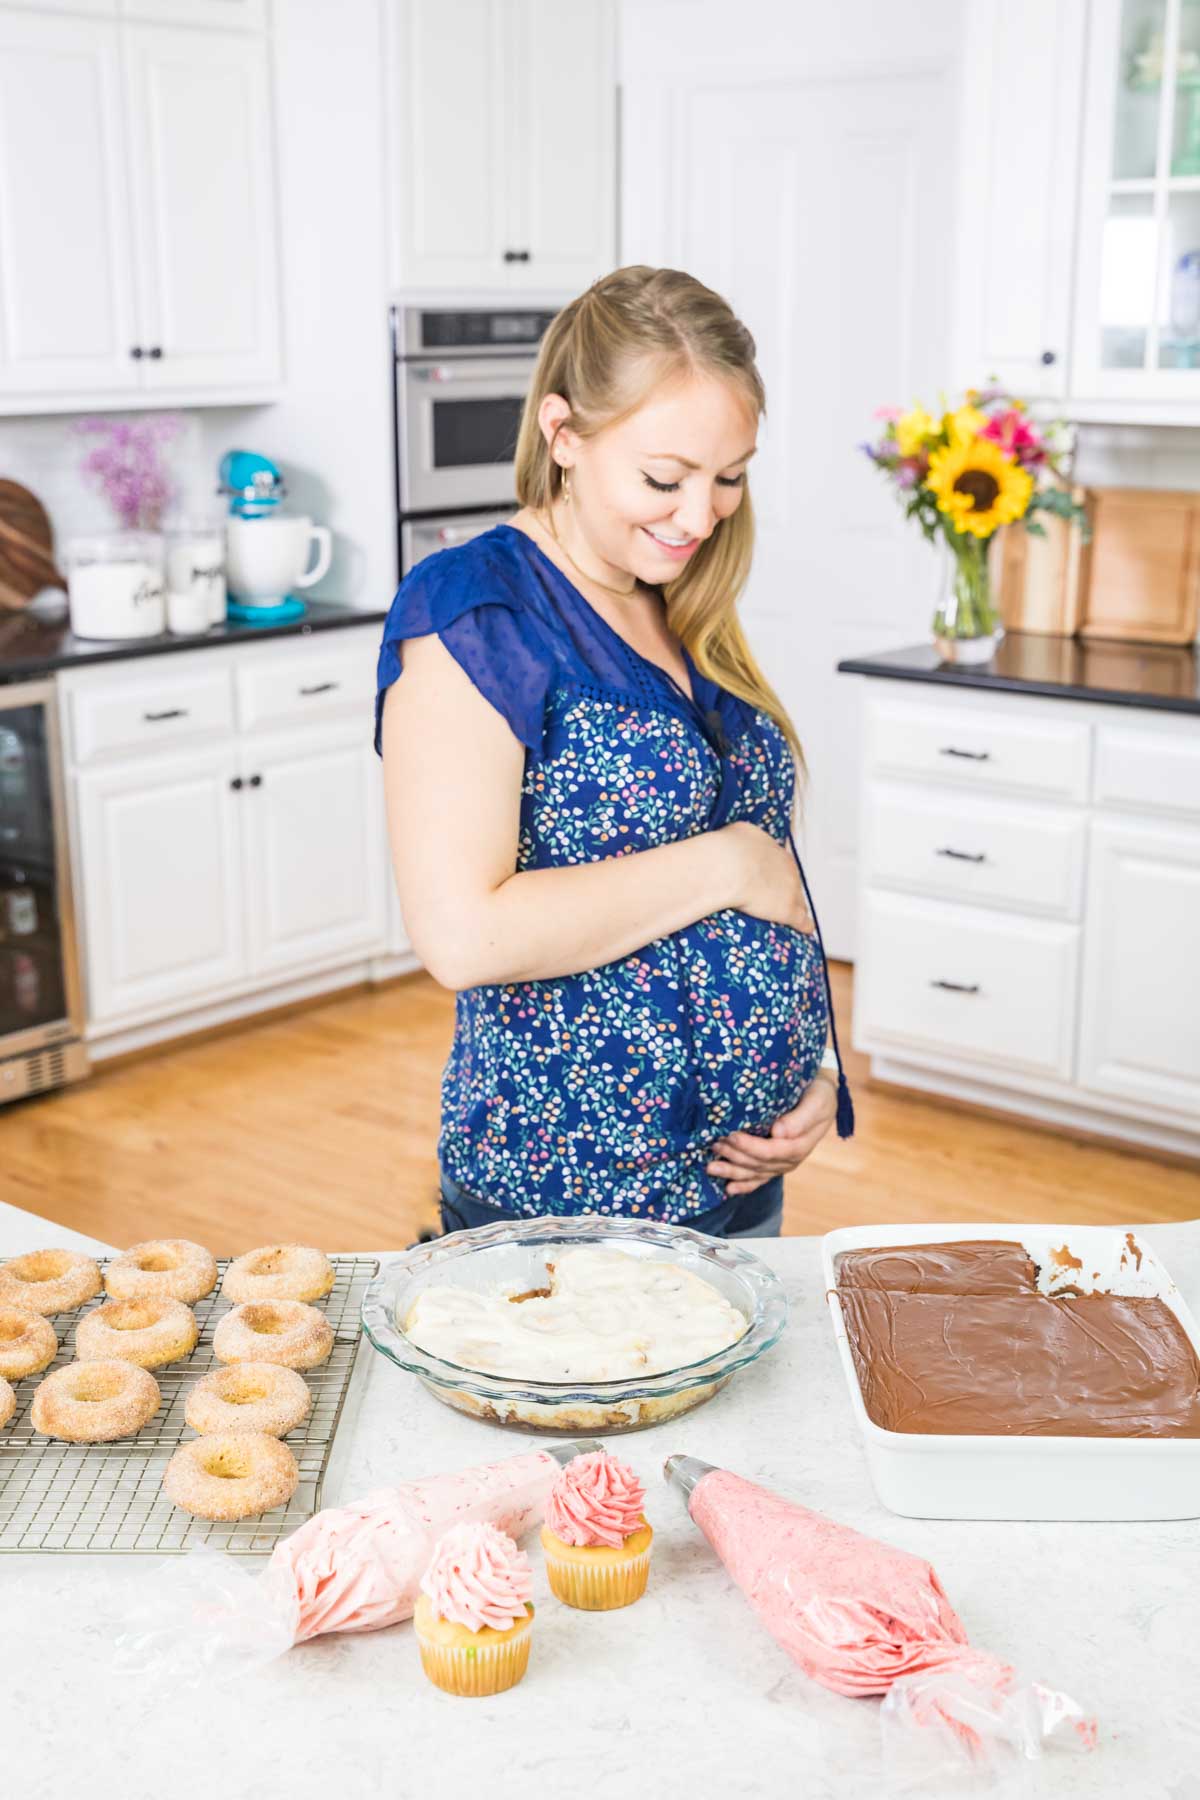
(108, 1497)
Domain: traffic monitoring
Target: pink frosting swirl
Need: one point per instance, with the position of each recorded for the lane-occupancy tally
(478, 1577)
(596, 1500)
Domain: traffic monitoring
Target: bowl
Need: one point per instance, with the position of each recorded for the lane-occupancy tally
(511, 1257)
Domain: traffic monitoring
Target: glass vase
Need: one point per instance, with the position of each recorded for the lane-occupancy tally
(966, 626)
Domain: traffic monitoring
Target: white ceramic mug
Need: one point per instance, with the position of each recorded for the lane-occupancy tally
(265, 558)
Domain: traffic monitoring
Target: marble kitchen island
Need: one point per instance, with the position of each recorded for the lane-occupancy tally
(682, 1694)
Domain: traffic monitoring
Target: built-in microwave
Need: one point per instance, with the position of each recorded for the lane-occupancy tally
(461, 376)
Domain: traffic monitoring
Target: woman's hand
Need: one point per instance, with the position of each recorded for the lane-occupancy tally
(744, 1162)
(767, 883)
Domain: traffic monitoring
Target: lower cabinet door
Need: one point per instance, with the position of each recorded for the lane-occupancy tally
(162, 899)
(957, 981)
(314, 845)
(1140, 1024)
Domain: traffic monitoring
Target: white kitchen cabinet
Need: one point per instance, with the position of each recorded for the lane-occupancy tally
(314, 851)
(502, 148)
(138, 256)
(229, 838)
(68, 314)
(1017, 192)
(1028, 915)
(204, 207)
(1140, 1035)
(161, 889)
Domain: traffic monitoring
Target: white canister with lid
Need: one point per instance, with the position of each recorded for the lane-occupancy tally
(115, 584)
(196, 572)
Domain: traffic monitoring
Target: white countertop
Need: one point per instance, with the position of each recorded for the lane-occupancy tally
(682, 1694)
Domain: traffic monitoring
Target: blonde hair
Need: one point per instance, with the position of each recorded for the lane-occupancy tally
(604, 354)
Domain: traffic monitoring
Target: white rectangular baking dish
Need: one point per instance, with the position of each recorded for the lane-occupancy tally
(944, 1477)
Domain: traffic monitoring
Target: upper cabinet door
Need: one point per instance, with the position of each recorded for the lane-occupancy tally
(561, 215)
(66, 293)
(226, 15)
(204, 207)
(447, 149)
(1137, 315)
(1017, 192)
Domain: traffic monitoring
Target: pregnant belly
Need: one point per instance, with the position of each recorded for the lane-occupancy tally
(756, 997)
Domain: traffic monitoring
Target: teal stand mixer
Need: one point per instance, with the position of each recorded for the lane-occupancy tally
(267, 551)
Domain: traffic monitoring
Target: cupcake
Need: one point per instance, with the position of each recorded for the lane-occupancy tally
(596, 1538)
(473, 1615)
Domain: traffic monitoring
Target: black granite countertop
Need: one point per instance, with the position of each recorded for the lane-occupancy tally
(1147, 675)
(29, 648)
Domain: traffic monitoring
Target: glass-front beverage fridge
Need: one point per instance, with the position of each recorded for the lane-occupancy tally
(41, 1014)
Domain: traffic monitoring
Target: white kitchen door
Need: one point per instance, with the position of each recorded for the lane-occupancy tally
(199, 102)
(67, 309)
(821, 208)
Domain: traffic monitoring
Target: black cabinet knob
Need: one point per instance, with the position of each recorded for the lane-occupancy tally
(137, 353)
(1049, 356)
(155, 353)
(256, 781)
(237, 784)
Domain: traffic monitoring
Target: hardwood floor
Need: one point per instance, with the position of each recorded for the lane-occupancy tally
(321, 1126)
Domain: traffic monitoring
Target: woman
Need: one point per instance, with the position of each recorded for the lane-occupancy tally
(589, 790)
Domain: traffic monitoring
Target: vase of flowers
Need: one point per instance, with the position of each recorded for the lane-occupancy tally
(963, 474)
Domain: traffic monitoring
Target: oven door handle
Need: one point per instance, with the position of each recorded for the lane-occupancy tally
(473, 372)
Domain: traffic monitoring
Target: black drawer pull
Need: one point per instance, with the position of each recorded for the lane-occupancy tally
(962, 855)
(967, 755)
(512, 256)
(172, 712)
(956, 987)
(322, 687)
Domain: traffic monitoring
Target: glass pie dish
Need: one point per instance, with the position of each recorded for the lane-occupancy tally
(511, 1258)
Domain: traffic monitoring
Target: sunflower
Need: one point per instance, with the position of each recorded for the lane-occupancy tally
(977, 486)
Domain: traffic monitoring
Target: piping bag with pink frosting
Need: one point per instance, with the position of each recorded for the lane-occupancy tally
(862, 1618)
(348, 1568)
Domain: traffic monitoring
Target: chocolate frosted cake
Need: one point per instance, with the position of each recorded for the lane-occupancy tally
(956, 1338)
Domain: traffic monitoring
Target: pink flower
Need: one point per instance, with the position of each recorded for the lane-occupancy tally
(888, 412)
(1016, 437)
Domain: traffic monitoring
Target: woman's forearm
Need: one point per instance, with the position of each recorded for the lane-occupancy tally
(542, 923)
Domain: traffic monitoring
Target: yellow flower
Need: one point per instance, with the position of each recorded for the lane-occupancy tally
(978, 487)
(966, 423)
(912, 428)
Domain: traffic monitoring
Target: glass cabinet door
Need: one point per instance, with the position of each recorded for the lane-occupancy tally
(1138, 298)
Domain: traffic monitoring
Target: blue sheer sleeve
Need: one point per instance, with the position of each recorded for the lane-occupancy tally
(471, 596)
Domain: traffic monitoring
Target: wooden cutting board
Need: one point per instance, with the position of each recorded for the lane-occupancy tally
(26, 546)
(1144, 569)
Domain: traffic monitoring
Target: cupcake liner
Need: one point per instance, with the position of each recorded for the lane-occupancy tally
(473, 1670)
(599, 1586)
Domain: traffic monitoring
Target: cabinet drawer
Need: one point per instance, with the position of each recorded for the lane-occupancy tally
(964, 847)
(961, 982)
(980, 749)
(317, 683)
(161, 711)
(1153, 771)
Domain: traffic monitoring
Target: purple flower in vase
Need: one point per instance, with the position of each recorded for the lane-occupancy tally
(125, 462)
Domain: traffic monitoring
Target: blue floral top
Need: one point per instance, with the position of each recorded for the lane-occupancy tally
(604, 1091)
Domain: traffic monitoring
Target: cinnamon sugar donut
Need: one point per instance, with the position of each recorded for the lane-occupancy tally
(274, 1331)
(279, 1272)
(95, 1402)
(231, 1475)
(8, 1402)
(249, 1396)
(162, 1269)
(27, 1343)
(49, 1281)
(146, 1332)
